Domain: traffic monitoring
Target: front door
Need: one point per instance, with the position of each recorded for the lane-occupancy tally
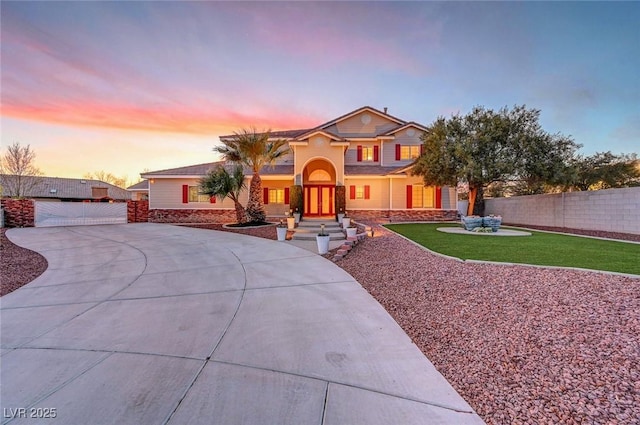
(318, 200)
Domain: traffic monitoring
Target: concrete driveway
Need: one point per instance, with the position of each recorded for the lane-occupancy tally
(159, 324)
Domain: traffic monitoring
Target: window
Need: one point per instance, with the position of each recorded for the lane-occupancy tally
(196, 196)
(360, 192)
(367, 153)
(422, 196)
(97, 192)
(409, 152)
(276, 196)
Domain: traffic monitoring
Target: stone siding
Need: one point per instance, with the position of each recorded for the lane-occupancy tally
(137, 211)
(405, 215)
(18, 212)
(610, 210)
(191, 216)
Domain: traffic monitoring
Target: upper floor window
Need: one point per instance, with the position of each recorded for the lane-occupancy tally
(407, 152)
(368, 153)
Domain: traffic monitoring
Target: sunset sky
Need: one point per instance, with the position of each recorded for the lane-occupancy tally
(128, 86)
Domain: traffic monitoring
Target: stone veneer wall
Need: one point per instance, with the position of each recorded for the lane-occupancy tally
(191, 216)
(405, 215)
(18, 212)
(137, 211)
(609, 210)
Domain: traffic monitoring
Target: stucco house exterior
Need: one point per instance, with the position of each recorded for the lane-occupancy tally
(360, 160)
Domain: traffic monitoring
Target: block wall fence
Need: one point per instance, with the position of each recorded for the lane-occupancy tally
(21, 212)
(609, 210)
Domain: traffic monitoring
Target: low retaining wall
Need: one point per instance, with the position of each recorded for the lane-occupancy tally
(18, 212)
(609, 210)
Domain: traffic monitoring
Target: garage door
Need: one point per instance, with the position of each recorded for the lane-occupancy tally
(49, 214)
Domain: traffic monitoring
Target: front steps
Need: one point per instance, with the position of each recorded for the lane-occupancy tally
(308, 228)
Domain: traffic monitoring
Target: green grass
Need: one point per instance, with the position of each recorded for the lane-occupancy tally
(546, 249)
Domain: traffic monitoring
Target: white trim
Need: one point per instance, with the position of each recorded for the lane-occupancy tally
(175, 176)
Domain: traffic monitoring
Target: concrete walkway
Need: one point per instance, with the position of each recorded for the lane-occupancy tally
(158, 324)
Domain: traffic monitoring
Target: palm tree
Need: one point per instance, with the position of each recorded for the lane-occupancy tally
(255, 150)
(221, 184)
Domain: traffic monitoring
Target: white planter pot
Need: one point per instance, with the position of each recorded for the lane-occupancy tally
(351, 232)
(340, 217)
(297, 217)
(346, 221)
(323, 244)
(291, 223)
(282, 233)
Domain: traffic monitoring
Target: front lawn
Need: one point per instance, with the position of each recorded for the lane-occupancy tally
(547, 249)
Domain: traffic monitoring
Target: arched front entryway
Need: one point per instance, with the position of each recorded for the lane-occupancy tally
(319, 188)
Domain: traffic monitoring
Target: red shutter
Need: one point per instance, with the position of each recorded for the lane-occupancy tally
(352, 192)
(286, 195)
(185, 193)
(367, 191)
(397, 151)
(212, 200)
(359, 153)
(438, 197)
(422, 149)
(409, 196)
(265, 195)
(376, 153)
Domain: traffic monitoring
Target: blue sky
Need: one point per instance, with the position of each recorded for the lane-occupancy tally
(128, 86)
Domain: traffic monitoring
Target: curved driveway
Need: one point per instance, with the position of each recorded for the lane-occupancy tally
(159, 324)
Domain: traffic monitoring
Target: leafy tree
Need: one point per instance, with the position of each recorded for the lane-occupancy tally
(604, 170)
(18, 171)
(108, 178)
(545, 163)
(221, 184)
(485, 147)
(255, 150)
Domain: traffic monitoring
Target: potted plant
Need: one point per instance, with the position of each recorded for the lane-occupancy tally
(291, 221)
(351, 230)
(340, 215)
(322, 239)
(346, 221)
(296, 215)
(281, 230)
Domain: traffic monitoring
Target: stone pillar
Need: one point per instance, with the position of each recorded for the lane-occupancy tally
(340, 199)
(296, 200)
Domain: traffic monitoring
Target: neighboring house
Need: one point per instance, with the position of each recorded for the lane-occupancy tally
(139, 191)
(367, 151)
(64, 189)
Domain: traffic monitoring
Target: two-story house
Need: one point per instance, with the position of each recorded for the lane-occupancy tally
(361, 160)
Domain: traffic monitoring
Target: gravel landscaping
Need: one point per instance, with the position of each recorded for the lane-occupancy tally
(523, 345)
(18, 266)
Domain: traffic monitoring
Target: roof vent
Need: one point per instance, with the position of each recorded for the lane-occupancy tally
(83, 181)
(53, 191)
(385, 109)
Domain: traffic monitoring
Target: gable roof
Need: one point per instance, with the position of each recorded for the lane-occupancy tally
(358, 111)
(65, 188)
(406, 125)
(295, 134)
(143, 185)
